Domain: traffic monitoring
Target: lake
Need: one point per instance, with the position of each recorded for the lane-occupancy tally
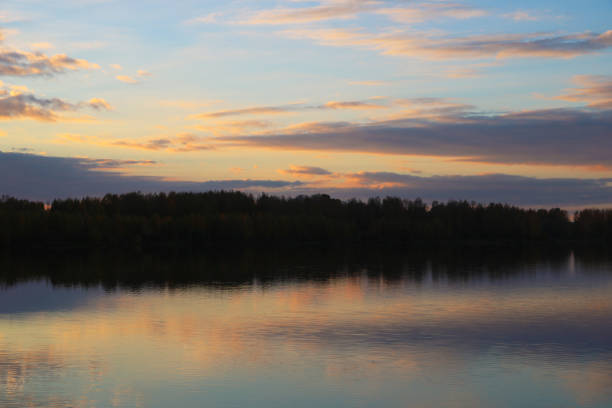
(482, 328)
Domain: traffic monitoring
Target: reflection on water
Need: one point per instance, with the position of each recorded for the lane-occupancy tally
(490, 329)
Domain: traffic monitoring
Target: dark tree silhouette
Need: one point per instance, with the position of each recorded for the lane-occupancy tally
(228, 218)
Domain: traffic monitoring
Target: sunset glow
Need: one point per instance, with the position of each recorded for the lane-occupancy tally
(477, 100)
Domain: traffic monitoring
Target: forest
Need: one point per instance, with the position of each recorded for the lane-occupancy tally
(234, 219)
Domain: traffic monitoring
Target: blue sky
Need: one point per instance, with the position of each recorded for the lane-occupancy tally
(200, 91)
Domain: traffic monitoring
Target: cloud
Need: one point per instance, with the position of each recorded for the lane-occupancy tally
(10, 17)
(427, 11)
(114, 163)
(521, 15)
(143, 73)
(234, 127)
(45, 178)
(307, 171)
(28, 106)
(126, 79)
(209, 18)
(428, 46)
(187, 104)
(99, 104)
(116, 66)
(369, 83)
(283, 109)
(42, 46)
(182, 143)
(258, 110)
(553, 137)
(348, 9)
(23, 63)
(487, 188)
(17, 105)
(596, 91)
(324, 11)
(351, 105)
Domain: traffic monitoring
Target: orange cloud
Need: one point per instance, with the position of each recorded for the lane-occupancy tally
(290, 108)
(126, 79)
(329, 11)
(426, 46)
(17, 104)
(306, 171)
(351, 105)
(234, 127)
(24, 63)
(426, 11)
(259, 110)
(596, 91)
(99, 103)
(184, 142)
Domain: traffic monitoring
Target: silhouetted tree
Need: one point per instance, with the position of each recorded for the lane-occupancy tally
(198, 220)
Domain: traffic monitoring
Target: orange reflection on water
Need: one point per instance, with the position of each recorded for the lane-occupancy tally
(347, 331)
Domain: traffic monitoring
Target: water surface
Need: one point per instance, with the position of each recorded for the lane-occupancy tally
(406, 331)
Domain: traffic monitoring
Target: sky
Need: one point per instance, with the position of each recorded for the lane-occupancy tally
(476, 100)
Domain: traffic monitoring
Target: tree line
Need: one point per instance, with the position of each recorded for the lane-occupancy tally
(226, 218)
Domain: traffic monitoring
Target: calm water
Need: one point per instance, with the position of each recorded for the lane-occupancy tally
(424, 331)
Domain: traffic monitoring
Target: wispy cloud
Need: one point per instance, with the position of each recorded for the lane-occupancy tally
(209, 18)
(234, 127)
(325, 10)
(42, 46)
(290, 108)
(428, 46)
(595, 91)
(184, 142)
(369, 83)
(105, 164)
(521, 15)
(431, 10)
(306, 171)
(257, 110)
(7, 17)
(349, 9)
(126, 79)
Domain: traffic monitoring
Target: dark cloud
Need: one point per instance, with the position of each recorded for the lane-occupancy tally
(45, 178)
(112, 163)
(558, 137)
(518, 190)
